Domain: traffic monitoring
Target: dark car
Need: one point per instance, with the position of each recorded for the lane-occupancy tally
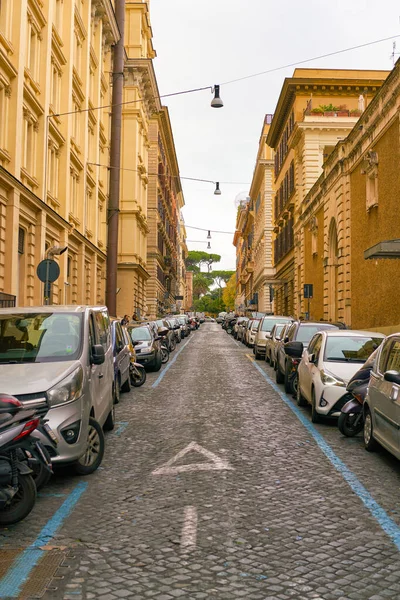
(286, 366)
(174, 324)
(122, 360)
(147, 346)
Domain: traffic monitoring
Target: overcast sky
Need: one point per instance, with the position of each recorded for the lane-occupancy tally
(207, 42)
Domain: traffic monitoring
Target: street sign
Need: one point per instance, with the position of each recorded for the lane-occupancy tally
(48, 270)
(178, 297)
(308, 290)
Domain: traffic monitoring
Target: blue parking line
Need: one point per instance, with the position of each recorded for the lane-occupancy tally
(122, 426)
(376, 510)
(169, 365)
(18, 573)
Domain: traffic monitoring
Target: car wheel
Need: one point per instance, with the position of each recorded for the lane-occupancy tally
(164, 355)
(315, 416)
(370, 442)
(127, 385)
(288, 383)
(157, 363)
(117, 391)
(300, 400)
(110, 421)
(91, 459)
(267, 357)
(278, 375)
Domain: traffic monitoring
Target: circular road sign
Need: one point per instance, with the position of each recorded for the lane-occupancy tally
(48, 270)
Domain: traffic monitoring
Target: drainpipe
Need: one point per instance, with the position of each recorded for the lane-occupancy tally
(115, 162)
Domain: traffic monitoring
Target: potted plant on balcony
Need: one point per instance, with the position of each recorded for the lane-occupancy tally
(317, 112)
(355, 112)
(329, 110)
(343, 111)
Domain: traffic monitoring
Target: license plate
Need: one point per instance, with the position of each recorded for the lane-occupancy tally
(50, 433)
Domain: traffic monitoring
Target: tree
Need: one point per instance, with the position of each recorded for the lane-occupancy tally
(221, 277)
(229, 293)
(201, 284)
(197, 258)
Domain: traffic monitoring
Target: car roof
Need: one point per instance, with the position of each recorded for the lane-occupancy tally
(55, 308)
(352, 333)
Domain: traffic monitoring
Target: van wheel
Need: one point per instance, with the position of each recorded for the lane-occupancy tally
(278, 375)
(91, 459)
(109, 422)
(127, 385)
(117, 391)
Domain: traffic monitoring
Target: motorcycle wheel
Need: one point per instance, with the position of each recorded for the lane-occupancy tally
(91, 459)
(346, 424)
(172, 345)
(164, 355)
(21, 504)
(138, 377)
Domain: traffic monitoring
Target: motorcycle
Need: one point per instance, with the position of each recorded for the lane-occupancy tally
(20, 450)
(351, 418)
(137, 374)
(162, 334)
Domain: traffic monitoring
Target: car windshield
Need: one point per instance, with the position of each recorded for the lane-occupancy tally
(254, 325)
(140, 334)
(268, 324)
(181, 320)
(350, 348)
(40, 337)
(306, 332)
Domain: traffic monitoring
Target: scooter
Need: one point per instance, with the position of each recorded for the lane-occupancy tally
(351, 419)
(17, 448)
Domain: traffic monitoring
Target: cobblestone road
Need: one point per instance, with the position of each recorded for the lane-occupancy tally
(266, 516)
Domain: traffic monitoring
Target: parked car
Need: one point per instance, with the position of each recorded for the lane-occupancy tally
(241, 327)
(286, 366)
(251, 332)
(263, 333)
(327, 365)
(62, 357)
(174, 324)
(122, 360)
(147, 346)
(272, 342)
(382, 403)
(184, 323)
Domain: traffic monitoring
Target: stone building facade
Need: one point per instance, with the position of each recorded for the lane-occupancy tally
(316, 109)
(55, 60)
(353, 206)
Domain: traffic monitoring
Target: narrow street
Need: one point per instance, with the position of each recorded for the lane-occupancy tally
(215, 485)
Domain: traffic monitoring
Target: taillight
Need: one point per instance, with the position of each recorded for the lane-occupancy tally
(28, 428)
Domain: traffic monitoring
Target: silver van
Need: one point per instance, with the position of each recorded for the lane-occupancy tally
(62, 357)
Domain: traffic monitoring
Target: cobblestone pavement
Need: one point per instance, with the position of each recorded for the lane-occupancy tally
(266, 516)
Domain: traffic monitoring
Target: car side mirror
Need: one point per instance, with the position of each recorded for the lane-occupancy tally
(294, 349)
(98, 354)
(285, 341)
(135, 342)
(392, 377)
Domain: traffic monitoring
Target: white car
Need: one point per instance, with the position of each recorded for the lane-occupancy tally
(327, 365)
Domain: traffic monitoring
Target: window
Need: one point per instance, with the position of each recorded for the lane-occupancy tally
(393, 363)
(383, 357)
(30, 131)
(21, 241)
(55, 87)
(32, 61)
(102, 329)
(58, 15)
(53, 169)
(76, 122)
(372, 189)
(317, 347)
(350, 349)
(74, 193)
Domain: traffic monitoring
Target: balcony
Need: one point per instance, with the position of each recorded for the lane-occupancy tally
(250, 266)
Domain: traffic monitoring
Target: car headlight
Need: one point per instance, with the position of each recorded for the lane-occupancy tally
(328, 378)
(68, 390)
(146, 350)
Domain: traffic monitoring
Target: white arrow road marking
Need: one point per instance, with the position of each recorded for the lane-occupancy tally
(216, 463)
(189, 529)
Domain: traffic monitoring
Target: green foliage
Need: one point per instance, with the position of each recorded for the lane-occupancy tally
(209, 304)
(221, 277)
(229, 293)
(197, 258)
(201, 284)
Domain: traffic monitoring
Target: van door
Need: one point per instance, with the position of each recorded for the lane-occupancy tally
(96, 371)
(385, 397)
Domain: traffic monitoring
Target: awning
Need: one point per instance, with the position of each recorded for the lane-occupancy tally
(388, 249)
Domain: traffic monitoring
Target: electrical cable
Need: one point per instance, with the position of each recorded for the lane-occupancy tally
(211, 87)
(307, 60)
(210, 230)
(165, 175)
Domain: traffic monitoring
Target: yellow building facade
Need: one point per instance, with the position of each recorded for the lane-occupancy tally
(55, 60)
(316, 109)
(352, 207)
(243, 241)
(261, 200)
